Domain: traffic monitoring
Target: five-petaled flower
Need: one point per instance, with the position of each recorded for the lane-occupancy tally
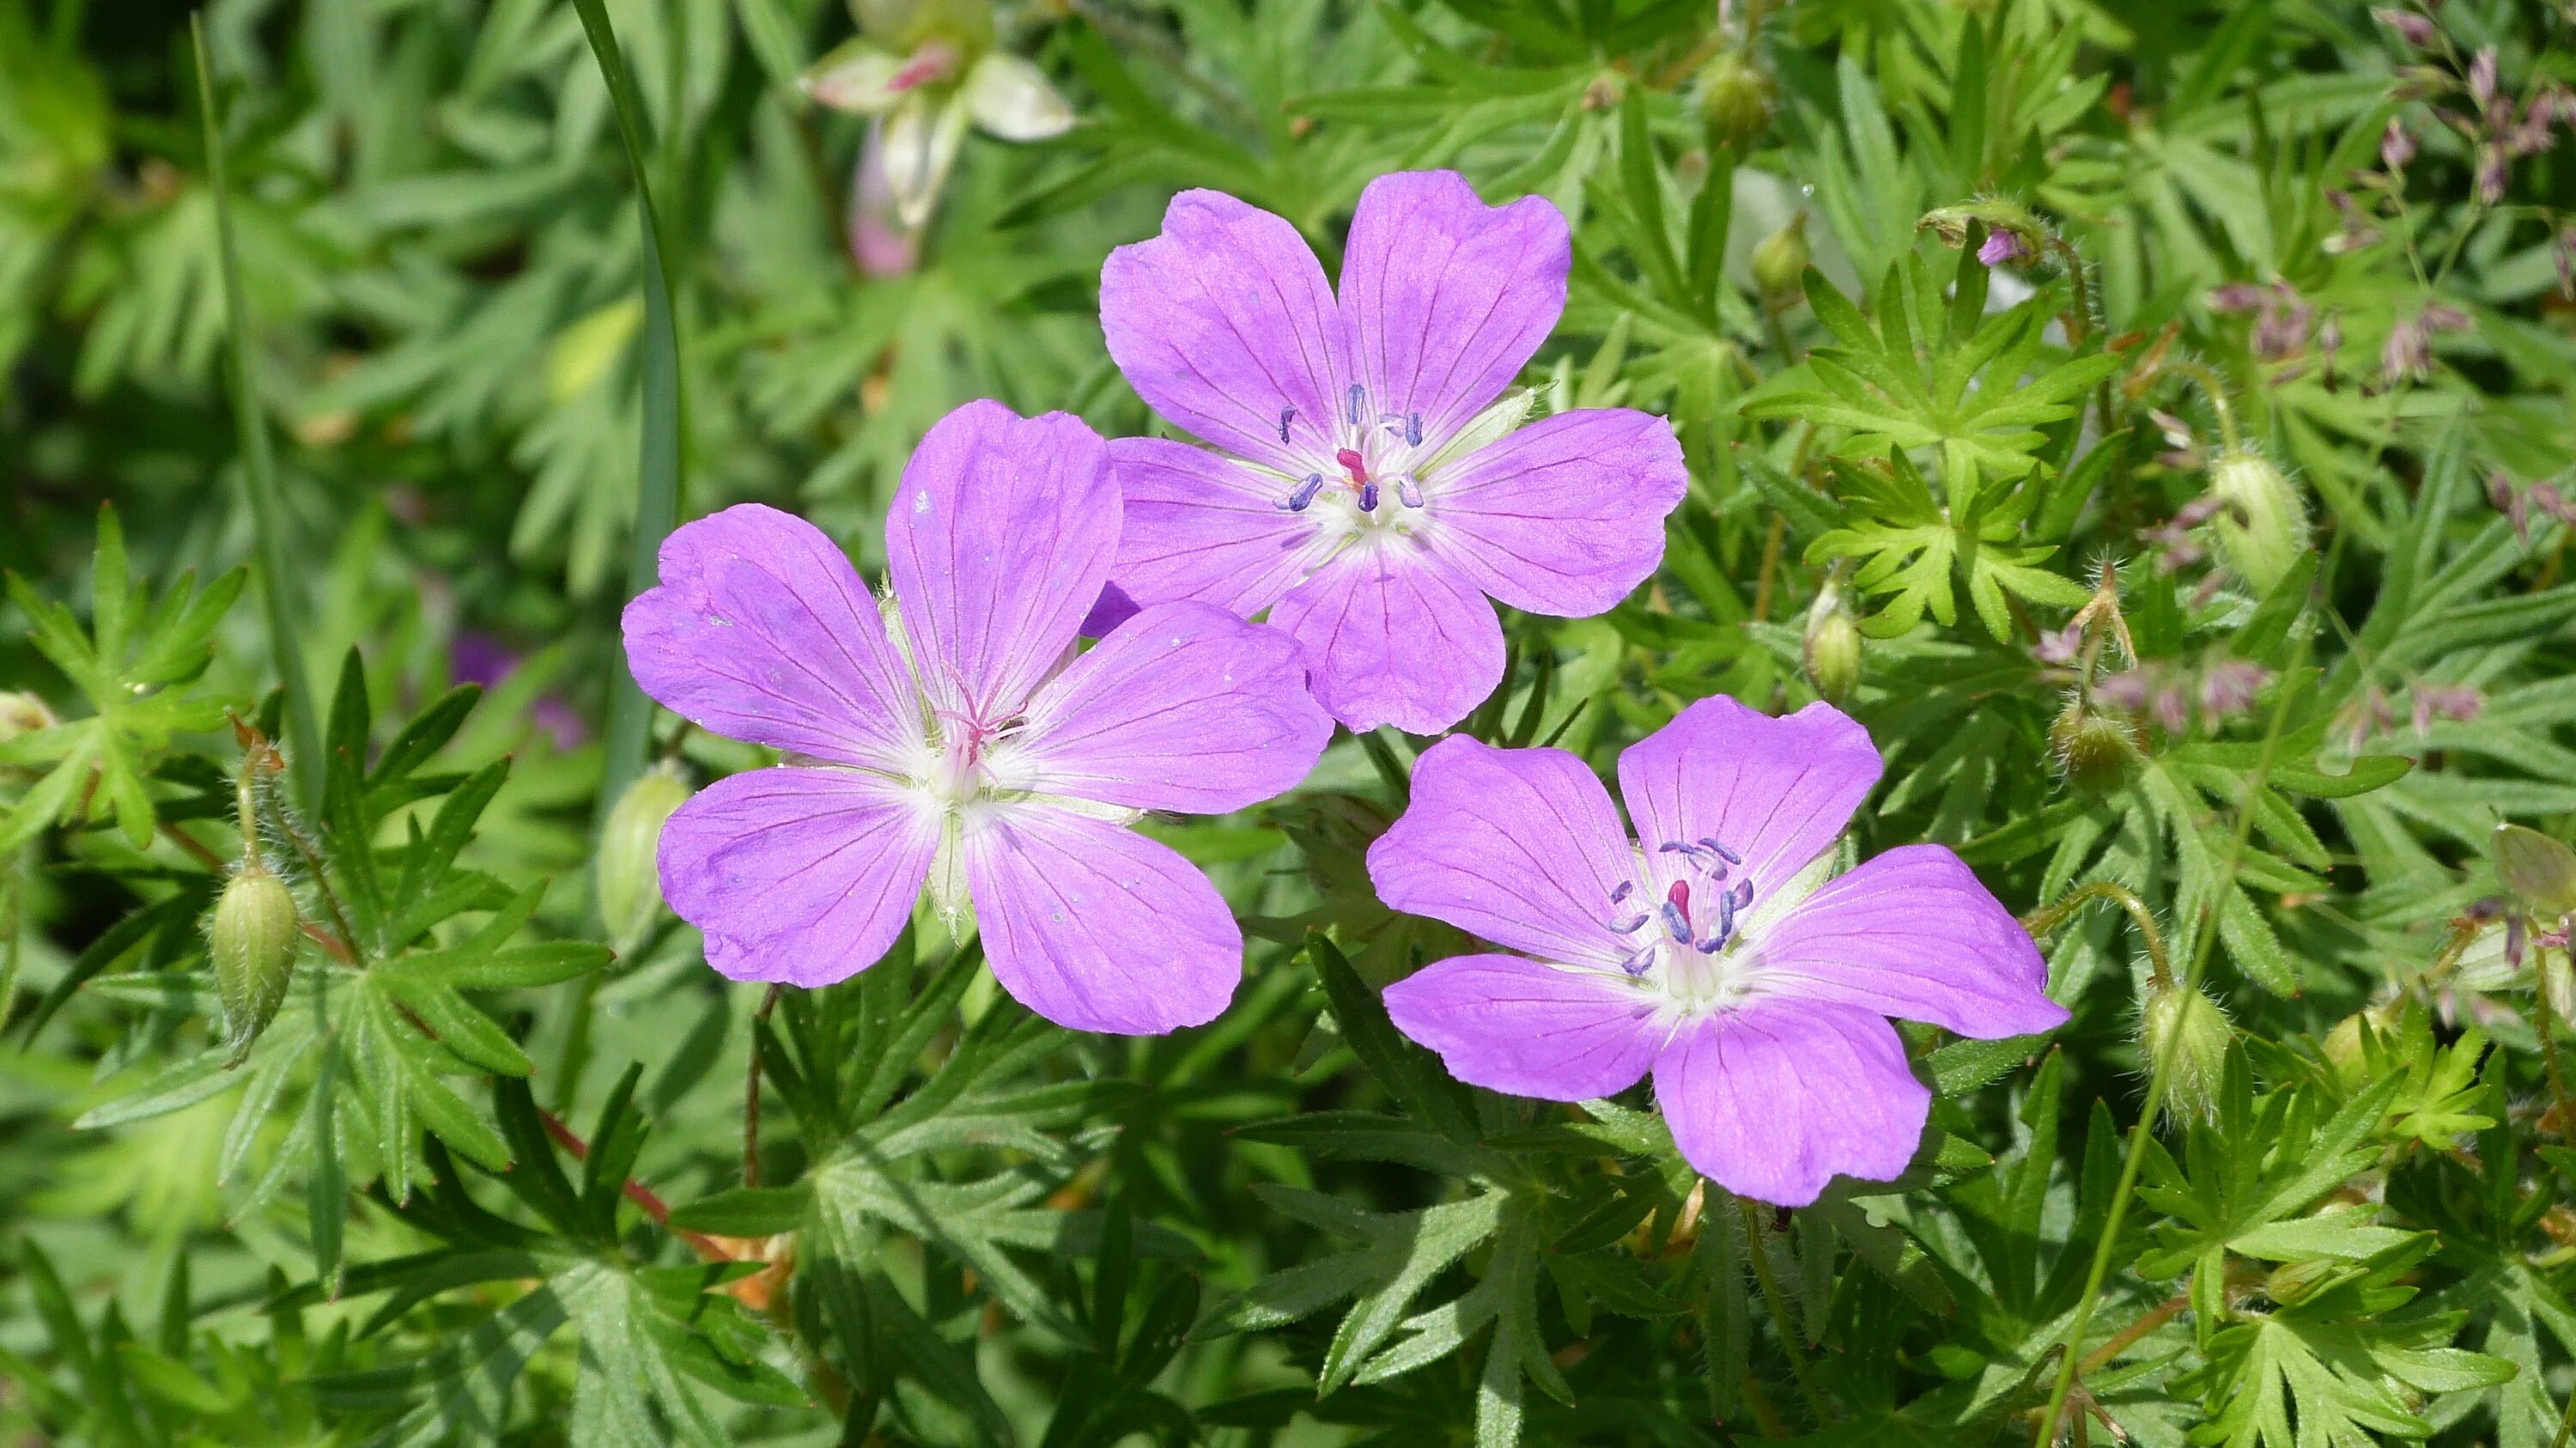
(953, 737)
(1716, 949)
(1367, 487)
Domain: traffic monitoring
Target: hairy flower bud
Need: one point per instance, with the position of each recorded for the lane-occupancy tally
(1780, 262)
(2094, 750)
(2183, 1028)
(2540, 870)
(2262, 527)
(1832, 648)
(1735, 99)
(630, 886)
(252, 939)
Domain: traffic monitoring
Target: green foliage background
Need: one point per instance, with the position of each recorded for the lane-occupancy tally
(481, 1180)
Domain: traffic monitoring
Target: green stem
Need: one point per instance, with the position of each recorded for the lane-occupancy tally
(1798, 1365)
(2159, 1077)
(657, 500)
(2040, 922)
(2083, 313)
(259, 465)
(2215, 388)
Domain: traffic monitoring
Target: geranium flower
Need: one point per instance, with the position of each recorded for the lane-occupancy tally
(1715, 949)
(951, 737)
(1366, 486)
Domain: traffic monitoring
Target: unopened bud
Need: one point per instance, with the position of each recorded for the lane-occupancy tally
(2094, 750)
(2262, 527)
(2291, 1282)
(1780, 262)
(630, 883)
(2540, 870)
(2186, 1033)
(252, 939)
(23, 714)
(1735, 99)
(1832, 649)
(2343, 1046)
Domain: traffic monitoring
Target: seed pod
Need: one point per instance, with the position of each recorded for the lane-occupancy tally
(2185, 1028)
(1735, 99)
(2094, 750)
(252, 939)
(630, 882)
(1780, 262)
(1832, 648)
(2535, 867)
(2262, 524)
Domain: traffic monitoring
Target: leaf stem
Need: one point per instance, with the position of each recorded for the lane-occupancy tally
(2041, 922)
(1799, 1368)
(259, 465)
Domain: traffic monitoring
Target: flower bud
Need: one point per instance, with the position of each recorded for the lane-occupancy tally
(2291, 1282)
(2537, 868)
(2185, 1029)
(2263, 525)
(2343, 1048)
(252, 939)
(630, 884)
(1780, 262)
(1735, 99)
(2094, 750)
(1832, 649)
(23, 714)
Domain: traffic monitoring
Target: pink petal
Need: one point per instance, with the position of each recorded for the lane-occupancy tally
(1912, 933)
(1775, 1099)
(1096, 927)
(1447, 298)
(1509, 1024)
(798, 875)
(1776, 791)
(999, 540)
(1565, 516)
(1202, 525)
(1521, 847)
(1184, 707)
(1393, 636)
(1222, 322)
(761, 630)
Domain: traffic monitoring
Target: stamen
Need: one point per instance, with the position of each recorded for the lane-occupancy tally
(1359, 399)
(1630, 925)
(1287, 415)
(1393, 422)
(1305, 494)
(1626, 889)
(1353, 464)
(1636, 964)
(1725, 925)
(1405, 489)
(1723, 852)
(1741, 894)
(1413, 429)
(1676, 924)
(1368, 497)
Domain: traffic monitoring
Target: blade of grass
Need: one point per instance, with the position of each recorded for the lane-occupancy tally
(259, 465)
(657, 498)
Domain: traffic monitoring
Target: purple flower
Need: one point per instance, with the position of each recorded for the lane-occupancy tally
(2396, 146)
(2002, 246)
(953, 737)
(2415, 29)
(1366, 487)
(1712, 949)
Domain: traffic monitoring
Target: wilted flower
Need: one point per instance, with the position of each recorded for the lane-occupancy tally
(2229, 687)
(2414, 29)
(2001, 247)
(879, 241)
(2459, 703)
(951, 737)
(2396, 146)
(2408, 353)
(1364, 485)
(2482, 77)
(2235, 298)
(930, 70)
(1715, 949)
(2490, 176)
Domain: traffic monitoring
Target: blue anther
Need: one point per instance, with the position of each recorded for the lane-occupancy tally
(1630, 925)
(1723, 852)
(1636, 964)
(1413, 429)
(1676, 923)
(1305, 494)
(1368, 497)
(1287, 415)
(1405, 489)
(1626, 889)
(1359, 399)
(1741, 894)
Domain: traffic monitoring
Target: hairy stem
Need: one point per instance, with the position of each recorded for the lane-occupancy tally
(1799, 1367)
(2041, 922)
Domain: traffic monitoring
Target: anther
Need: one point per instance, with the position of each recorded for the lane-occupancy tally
(1368, 497)
(1305, 494)
(1723, 852)
(1405, 489)
(1359, 399)
(1741, 894)
(1626, 889)
(1287, 415)
(1413, 429)
(1630, 925)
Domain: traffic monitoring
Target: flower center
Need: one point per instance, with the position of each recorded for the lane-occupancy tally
(1373, 460)
(1691, 949)
(960, 768)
